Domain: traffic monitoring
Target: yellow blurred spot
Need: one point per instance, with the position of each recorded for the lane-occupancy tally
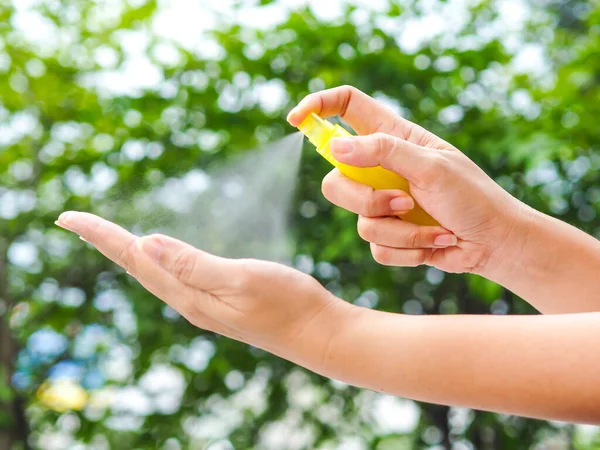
(62, 395)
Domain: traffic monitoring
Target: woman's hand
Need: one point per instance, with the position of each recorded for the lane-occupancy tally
(476, 214)
(268, 305)
(484, 230)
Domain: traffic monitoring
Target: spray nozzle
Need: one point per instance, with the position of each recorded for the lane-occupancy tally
(317, 130)
(320, 132)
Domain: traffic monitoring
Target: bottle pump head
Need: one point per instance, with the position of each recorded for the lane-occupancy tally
(317, 130)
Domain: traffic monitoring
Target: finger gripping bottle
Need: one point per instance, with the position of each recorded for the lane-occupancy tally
(320, 132)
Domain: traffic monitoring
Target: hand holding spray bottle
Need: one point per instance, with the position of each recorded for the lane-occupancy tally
(320, 132)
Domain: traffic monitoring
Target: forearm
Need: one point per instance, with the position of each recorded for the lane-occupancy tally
(551, 264)
(536, 366)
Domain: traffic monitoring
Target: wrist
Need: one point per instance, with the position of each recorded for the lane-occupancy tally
(548, 263)
(348, 343)
(315, 344)
(507, 256)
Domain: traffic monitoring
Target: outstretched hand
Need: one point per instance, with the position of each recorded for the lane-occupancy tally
(268, 305)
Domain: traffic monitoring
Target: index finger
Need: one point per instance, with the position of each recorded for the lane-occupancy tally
(362, 199)
(363, 113)
(110, 239)
(133, 254)
(124, 248)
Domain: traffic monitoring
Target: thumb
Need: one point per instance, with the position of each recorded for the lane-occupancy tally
(187, 264)
(409, 160)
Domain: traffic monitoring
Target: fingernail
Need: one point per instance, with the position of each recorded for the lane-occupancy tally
(83, 239)
(341, 146)
(152, 248)
(403, 203)
(63, 221)
(64, 217)
(445, 240)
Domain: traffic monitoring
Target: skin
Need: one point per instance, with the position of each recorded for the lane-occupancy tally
(544, 366)
(547, 262)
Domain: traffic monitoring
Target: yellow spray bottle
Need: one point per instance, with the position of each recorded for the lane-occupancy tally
(320, 132)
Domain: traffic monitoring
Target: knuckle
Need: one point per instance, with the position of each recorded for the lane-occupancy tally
(348, 89)
(413, 239)
(126, 257)
(368, 203)
(384, 145)
(183, 266)
(435, 167)
(381, 139)
(442, 162)
(345, 94)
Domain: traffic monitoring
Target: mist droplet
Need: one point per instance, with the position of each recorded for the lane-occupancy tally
(240, 209)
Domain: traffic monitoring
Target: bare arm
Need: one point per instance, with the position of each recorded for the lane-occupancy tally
(553, 265)
(537, 366)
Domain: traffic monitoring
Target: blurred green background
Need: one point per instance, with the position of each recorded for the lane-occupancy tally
(102, 98)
